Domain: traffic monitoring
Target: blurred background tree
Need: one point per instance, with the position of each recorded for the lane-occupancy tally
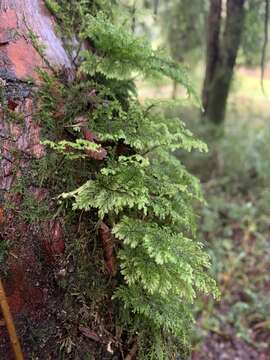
(185, 30)
(225, 27)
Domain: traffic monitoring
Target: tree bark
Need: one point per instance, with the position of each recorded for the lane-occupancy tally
(221, 57)
(27, 275)
(213, 48)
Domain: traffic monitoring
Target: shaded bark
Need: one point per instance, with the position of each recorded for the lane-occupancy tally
(221, 57)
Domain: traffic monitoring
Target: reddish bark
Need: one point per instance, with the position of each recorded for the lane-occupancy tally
(27, 278)
(22, 295)
(52, 237)
(106, 238)
(20, 144)
(17, 19)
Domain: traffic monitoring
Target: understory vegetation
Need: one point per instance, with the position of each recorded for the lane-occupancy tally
(111, 159)
(235, 222)
(235, 225)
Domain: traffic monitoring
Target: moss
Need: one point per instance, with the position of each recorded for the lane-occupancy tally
(4, 248)
(36, 43)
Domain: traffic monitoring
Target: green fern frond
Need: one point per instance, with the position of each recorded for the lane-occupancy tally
(119, 53)
(143, 192)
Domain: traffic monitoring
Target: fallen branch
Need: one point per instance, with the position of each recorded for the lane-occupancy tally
(10, 324)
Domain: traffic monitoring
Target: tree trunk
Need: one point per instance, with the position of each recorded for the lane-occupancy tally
(212, 56)
(34, 250)
(221, 57)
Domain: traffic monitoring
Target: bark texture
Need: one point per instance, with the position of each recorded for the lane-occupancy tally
(19, 59)
(27, 276)
(222, 51)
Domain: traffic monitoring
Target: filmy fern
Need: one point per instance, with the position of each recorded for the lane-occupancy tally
(144, 193)
(118, 53)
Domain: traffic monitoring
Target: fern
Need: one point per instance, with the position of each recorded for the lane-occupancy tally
(119, 53)
(73, 150)
(145, 194)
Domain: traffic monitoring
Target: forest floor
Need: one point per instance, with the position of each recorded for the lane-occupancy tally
(235, 225)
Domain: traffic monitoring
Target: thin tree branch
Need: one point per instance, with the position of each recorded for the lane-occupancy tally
(266, 19)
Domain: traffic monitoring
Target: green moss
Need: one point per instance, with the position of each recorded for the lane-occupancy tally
(4, 246)
(36, 43)
(29, 209)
